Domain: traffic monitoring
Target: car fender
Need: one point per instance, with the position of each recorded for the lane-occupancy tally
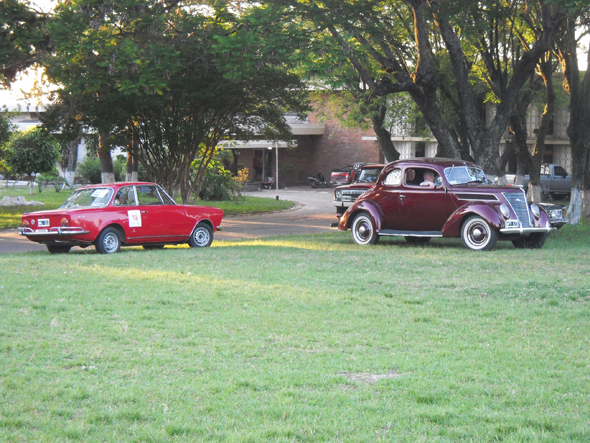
(452, 227)
(368, 206)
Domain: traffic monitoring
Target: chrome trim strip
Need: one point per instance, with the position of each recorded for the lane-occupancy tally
(525, 230)
(475, 197)
(394, 233)
(53, 231)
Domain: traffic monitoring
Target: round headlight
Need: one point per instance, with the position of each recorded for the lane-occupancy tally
(505, 210)
(536, 210)
(338, 194)
(556, 214)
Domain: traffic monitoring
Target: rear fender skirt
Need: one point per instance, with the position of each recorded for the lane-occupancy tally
(452, 228)
(362, 206)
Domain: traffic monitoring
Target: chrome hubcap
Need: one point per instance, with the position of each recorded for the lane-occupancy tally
(201, 236)
(111, 242)
(477, 234)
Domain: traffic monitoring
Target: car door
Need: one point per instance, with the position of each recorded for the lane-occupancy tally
(420, 207)
(386, 195)
(160, 220)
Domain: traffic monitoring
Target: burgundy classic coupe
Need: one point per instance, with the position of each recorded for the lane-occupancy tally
(112, 215)
(420, 199)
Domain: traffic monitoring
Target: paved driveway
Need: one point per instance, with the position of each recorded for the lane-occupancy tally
(313, 214)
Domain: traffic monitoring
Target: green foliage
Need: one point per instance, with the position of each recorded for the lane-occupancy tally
(22, 38)
(6, 131)
(89, 169)
(33, 151)
(53, 178)
(175, 79)
(219, 184)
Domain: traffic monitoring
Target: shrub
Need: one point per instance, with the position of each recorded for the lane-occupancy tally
(89, 170)
(33, 151)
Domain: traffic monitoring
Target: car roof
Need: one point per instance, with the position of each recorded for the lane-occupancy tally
(373, 165)
(115, 185)
(431, 161)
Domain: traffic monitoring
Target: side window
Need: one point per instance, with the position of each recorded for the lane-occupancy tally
(148, 195)
(422, 177)
(560, 171)
(165, 197)
(125, 197)
(394, 178)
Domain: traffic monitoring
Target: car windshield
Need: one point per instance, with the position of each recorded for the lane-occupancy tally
(457, 175)
(92, 197)
(369, 175)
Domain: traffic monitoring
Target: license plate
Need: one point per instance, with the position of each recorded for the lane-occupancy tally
(513, 224)
(43, 222)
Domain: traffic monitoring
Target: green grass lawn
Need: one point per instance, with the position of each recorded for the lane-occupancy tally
(304, 338)
(10, 217)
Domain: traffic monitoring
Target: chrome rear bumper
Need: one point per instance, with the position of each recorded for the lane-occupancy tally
(53, 232)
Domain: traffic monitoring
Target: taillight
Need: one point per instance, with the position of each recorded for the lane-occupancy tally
(64, 222)
(25, 223)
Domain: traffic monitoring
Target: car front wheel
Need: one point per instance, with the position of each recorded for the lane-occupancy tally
(478, 235)
(363, 231)
(201, 237)
(108, 241)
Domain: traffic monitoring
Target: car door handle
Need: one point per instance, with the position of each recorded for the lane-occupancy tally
(144, 212)
(402, 196)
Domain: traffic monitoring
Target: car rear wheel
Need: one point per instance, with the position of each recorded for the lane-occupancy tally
(108, 241)
(363, 231)
(533, 241)
(417, 240)
(478, 235)
(201, 237)
(58, 249)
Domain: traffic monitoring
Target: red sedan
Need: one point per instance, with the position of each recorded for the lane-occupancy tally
(112, 215)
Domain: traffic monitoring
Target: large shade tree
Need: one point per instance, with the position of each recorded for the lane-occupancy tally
(168, 78)
(23, 40)
(452, 57)
(578, 87)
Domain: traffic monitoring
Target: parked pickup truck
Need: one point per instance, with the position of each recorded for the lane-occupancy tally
(555, 180)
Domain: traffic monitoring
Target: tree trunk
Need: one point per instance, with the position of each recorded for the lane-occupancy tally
(386, 146)
(132, 163)
(579, 126)
(107, 173)
(546, 72)
(70, 173)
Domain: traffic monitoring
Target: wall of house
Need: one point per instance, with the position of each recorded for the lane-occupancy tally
(337, 147)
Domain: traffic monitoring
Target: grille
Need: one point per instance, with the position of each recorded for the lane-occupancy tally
(485, 197)
(520, 206)
(351, 195)
(353, 192)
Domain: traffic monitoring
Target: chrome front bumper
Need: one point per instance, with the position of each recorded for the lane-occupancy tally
(526, 231)
(53, 232)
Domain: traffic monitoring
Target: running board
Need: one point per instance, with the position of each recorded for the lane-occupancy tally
(392, 233)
